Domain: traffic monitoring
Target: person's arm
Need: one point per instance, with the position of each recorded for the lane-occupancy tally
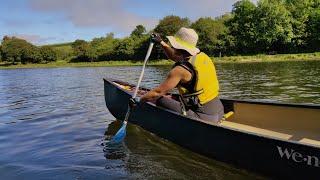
(168, 50)
(171, 82)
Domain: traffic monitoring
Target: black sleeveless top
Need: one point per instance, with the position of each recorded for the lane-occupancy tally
(190, 85)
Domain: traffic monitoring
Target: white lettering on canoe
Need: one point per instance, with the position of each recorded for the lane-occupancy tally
(297, 157)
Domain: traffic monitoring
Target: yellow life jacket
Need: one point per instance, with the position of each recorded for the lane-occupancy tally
(206, 85)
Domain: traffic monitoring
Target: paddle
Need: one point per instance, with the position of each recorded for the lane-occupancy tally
(120, 135)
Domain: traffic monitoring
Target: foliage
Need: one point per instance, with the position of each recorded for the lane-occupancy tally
(300, 11)
(242, 26)
(16, 50)
(139, 31)
(48, 54)
(169, 25)
(209, 31)
(0, 53)
(313, 30)
(81, 50)
(273, 29)
(132, 48)
(31, 54)
(104, 47)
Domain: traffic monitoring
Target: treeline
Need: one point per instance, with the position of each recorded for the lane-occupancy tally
(270, 27)
(283, 26)
(15, 50)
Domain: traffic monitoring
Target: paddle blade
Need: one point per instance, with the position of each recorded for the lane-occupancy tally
(121, 134)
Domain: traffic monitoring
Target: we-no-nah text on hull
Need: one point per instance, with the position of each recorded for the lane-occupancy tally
(298, 157)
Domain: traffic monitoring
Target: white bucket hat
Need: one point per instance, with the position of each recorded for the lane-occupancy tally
(185, 39)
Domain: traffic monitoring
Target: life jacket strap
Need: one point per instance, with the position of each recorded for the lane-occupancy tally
(193, 94)
(182, 106)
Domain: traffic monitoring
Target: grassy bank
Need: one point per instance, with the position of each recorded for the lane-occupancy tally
(231, 59)
(270, 58)
(85, 64)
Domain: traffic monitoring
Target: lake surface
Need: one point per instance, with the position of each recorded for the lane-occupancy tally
(54, 123)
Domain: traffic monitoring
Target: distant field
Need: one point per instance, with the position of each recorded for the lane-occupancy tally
(64, 50)
(60, 44)
(63, 63)
(268, 58)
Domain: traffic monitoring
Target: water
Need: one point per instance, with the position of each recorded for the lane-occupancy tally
(54, 123)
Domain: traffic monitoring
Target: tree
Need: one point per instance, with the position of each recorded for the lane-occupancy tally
(80, 49)
(139, 31)
(169, 25)
(48, 54)
(226, 42)
(0, 53)
(209, 30)
(104, 46)
(141, 46)
(15, 50)
(242, 26)
(313, 30)
(91, 53)
(273, 28)
(300, 11)
(125, 49)
(31, 54)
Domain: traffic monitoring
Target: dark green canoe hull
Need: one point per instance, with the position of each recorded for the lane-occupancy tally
(265, 155)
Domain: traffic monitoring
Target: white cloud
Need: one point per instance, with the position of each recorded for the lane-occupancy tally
(95, 13)
(200, 8)
(35, 39)
(112, 14)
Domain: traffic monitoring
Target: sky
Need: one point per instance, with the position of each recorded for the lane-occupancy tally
(56, 21)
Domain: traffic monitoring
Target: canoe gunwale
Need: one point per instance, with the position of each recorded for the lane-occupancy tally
(275, 103)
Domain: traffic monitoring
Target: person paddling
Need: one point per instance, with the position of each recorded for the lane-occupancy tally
(193, 74)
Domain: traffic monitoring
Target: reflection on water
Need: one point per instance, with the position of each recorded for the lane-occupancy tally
(54, 123)
(113, 150)
(149, 157)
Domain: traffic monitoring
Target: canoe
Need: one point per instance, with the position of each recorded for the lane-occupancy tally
(273, 139)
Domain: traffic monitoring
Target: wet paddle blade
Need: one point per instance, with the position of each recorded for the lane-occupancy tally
(121, 134)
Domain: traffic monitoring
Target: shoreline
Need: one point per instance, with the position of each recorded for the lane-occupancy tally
(230, 59)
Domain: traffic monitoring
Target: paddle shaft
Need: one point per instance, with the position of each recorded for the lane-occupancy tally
(143, 68)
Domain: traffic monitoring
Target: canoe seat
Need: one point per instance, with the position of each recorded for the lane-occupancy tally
(253, 129)
(271, 133)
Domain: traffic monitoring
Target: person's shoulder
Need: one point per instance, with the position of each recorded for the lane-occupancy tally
(178, 71)
(178, 68)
